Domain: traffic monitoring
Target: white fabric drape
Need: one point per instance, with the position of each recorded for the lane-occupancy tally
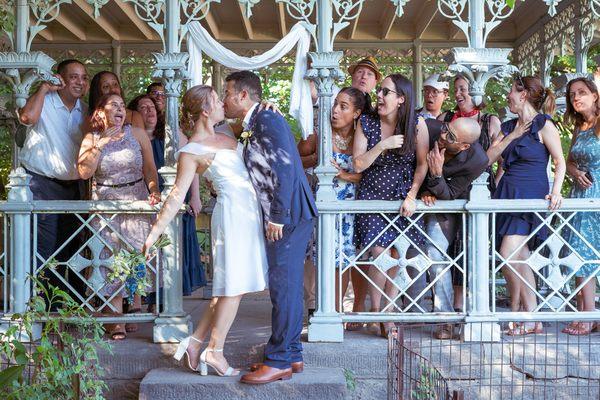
(199, 41)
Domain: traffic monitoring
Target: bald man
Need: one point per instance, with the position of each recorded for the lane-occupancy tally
(455, 160)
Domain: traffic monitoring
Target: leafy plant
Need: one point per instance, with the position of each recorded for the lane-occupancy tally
(130, 268)
(350, 379)
(63, 363)
(425, 387)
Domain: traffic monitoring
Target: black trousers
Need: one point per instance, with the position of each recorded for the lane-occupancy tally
(53, 230)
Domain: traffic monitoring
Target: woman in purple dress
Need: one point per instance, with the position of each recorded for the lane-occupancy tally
(390, 150)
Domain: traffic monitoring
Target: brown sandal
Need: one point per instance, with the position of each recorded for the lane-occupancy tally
(116, 332)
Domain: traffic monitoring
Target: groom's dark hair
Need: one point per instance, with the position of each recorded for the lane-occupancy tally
(248, 81)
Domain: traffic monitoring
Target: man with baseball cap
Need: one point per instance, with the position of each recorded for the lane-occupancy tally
(435, 92)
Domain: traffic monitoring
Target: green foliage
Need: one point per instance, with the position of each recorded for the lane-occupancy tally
(7, 17)
(350, 379)
(130, 268)
(64, 361)
(425, 387)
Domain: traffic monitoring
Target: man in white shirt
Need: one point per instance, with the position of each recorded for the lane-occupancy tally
(54, 115)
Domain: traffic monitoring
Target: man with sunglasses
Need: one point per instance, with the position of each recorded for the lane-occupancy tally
(454, 161)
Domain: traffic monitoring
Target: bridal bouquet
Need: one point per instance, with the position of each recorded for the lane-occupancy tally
(130, 268)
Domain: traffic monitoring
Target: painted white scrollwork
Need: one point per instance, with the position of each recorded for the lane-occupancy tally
(399, 4)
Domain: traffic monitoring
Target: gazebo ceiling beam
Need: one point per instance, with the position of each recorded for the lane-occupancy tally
(246, 23)
(353, 26)
(387, 21)
(141, 26)
(46, 34)
(212, 24)
(70, 26)
(102, 22)
(281, 19)
(454, 32)
(426, 16)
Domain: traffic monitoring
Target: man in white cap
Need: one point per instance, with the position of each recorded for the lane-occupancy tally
(435, 92)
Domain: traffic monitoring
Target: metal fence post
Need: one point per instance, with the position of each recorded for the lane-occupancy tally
(479, 323)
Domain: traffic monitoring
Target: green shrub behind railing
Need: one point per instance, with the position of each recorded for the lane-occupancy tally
(63, 363)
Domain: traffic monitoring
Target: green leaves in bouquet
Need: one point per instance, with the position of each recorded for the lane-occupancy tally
(129, 267)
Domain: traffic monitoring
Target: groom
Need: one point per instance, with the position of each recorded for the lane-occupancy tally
(288, 211)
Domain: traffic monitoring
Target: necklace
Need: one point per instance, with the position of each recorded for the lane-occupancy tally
(468, 114)
(342, 143)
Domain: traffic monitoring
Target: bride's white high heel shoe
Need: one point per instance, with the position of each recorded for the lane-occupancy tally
(182, 349)
(204, 365)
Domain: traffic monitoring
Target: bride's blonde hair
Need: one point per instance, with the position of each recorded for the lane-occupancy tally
(195, 100)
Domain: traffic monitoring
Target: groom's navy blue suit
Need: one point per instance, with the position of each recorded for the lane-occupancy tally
(276, 172)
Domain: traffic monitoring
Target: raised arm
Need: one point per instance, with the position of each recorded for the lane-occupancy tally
(308, 151)
(578, 176)
(186, 170)
(501, 143)
(194, 202)
(31, 111)
(551, 139)
(363, 158)
(90, 150)
(409, 205)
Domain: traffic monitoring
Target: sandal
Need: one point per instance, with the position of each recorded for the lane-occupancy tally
(116, 331)
(580, 328)
(522, 330)
(354, 326)
(132, 327)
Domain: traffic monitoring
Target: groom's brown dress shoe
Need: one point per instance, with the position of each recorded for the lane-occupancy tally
(266, 374)
(297, 367)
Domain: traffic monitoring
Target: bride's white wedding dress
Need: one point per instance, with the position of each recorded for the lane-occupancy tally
(238, 248)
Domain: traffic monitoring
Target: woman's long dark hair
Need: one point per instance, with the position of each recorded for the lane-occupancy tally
(95, 90)
(406, 124)
(159, 129)
(572, 116)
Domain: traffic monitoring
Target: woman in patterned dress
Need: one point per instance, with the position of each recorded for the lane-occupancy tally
(583, 165)
(120, 160)
(390, 150)
(348, 106)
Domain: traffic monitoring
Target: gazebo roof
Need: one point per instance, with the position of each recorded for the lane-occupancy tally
(377, 22)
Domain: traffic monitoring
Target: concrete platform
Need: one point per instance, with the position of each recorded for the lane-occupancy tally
(361, 360)
(312, 384)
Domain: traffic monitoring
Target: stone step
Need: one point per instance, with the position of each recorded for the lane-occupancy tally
(313, 383)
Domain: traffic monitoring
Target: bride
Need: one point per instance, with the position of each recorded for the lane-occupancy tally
(238, 250)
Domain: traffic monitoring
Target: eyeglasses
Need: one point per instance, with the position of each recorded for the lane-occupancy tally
(519, 80)
(157, 93)
(451, 137)
(385, 91)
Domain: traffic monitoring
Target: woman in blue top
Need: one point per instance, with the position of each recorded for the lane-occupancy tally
(583, 165)
(525, 147)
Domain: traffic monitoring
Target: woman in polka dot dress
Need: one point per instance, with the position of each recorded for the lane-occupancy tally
(390, 150)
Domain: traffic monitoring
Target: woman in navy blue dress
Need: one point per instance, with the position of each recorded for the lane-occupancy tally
(193, 270)
(527, 143)
(390, 150)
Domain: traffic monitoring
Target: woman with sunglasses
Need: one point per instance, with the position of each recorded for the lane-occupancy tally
(390, 149)
(583, 165)
(528, 142)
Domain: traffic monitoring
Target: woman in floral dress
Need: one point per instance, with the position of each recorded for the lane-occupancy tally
(583, 165)
(119, 158)
(347, 109)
